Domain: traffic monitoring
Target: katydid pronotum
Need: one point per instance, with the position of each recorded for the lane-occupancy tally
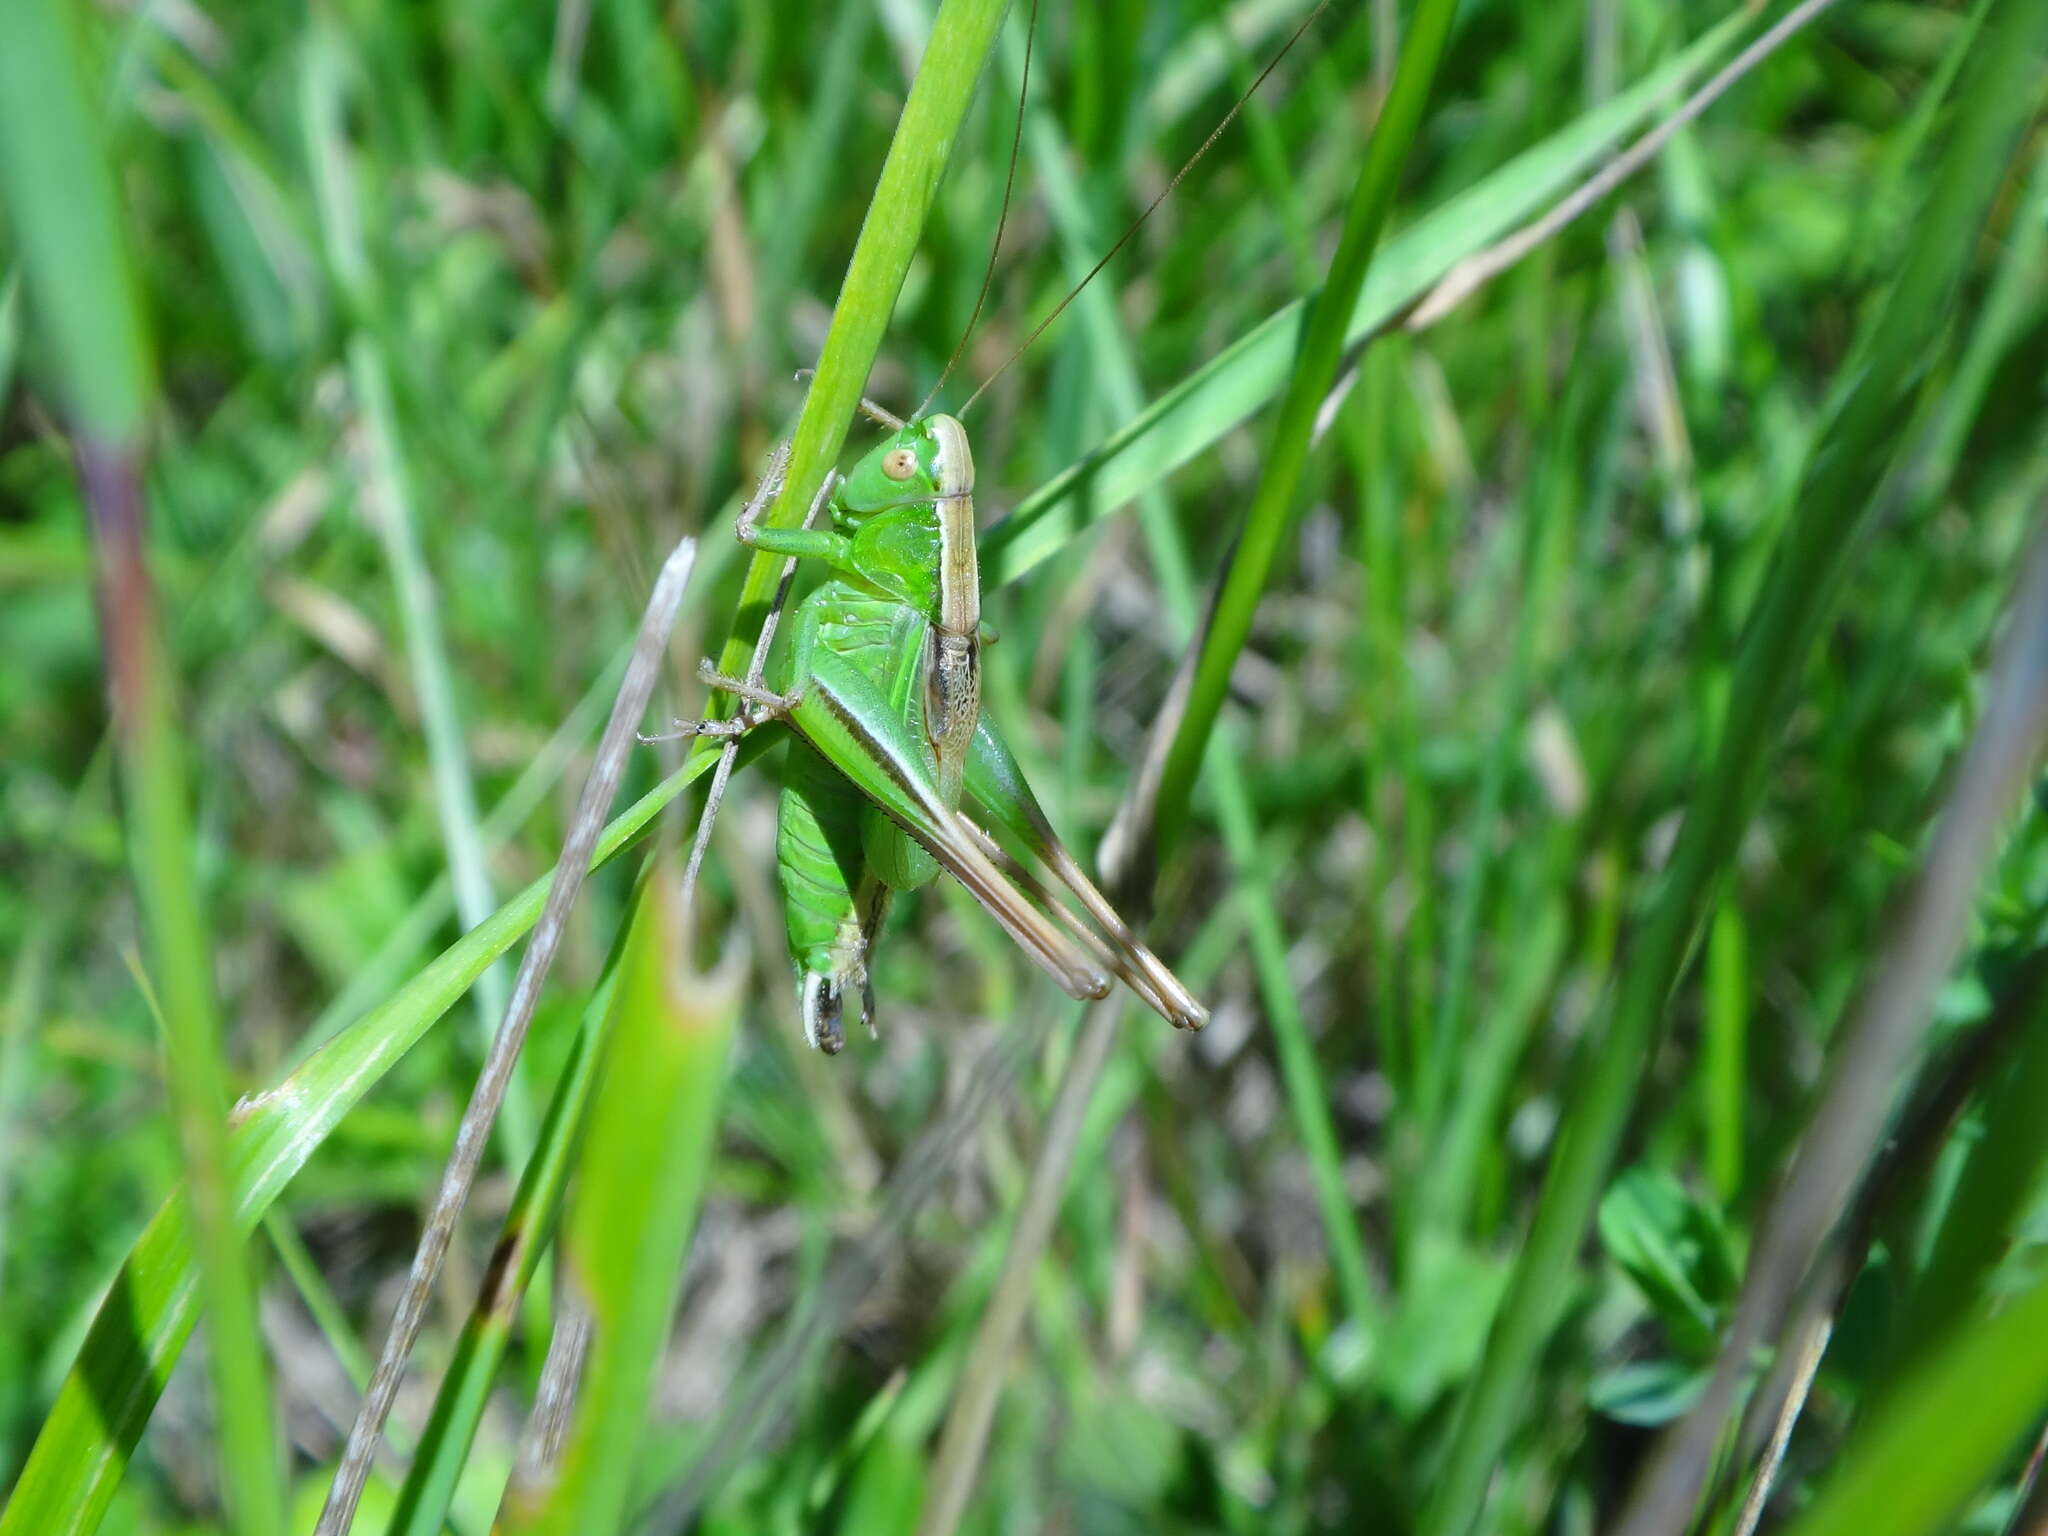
(881, 687)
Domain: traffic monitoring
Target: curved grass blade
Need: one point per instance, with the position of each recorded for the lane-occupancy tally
(1325, 331)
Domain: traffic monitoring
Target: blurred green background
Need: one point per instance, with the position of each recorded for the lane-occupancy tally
(462, 313)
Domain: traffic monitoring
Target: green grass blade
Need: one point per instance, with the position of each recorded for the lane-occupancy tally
(1835, 497)
(65, 225)
(639, 1179)
(1325, 329)
(1308, 1092)
(1724, 1049)
(1196, 413)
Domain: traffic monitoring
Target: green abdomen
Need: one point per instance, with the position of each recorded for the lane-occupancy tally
(838, 856)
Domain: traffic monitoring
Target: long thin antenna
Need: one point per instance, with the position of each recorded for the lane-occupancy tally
(1139, 222)
(988, 275)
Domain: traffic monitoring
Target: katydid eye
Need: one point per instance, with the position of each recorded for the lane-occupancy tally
(899, 464)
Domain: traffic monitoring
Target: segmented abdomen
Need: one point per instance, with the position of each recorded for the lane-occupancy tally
(821, 864)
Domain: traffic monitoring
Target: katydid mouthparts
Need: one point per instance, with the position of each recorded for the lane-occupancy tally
(892, 758)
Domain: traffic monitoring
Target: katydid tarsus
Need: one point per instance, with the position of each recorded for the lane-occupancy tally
(881, 688)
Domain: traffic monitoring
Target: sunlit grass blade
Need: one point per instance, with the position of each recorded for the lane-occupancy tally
(639, 1178)
(962, 34)
(1837, 491)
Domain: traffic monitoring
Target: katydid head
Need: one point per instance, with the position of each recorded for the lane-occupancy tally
(920, 461)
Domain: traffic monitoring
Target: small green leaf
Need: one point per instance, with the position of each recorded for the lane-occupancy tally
(1449, 1298)
(1675, 1251)
(1647, 1393)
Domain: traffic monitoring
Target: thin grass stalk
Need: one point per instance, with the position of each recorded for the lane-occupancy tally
(1834, 501)
(62, 206)
(1272, 512)
(465, 1388)
(1308, 1094)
